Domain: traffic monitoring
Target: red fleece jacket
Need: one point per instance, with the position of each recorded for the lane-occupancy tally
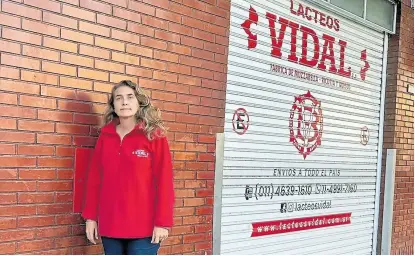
(130, 184)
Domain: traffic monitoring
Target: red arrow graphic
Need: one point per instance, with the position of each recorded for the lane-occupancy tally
(246, 25)
(366, 67)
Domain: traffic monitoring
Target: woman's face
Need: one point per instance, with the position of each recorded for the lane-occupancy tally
(125, 103)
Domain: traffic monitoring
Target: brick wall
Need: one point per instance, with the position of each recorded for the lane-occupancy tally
(399, 129)
(58, 62)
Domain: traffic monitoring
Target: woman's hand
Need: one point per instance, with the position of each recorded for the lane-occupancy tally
(159, 235)
(91, 231)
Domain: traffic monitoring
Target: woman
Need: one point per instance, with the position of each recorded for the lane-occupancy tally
(130, 181)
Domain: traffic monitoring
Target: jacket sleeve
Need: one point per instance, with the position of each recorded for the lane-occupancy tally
(163, 171)
(90, 209)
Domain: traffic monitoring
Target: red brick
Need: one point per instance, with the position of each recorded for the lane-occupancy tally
(215, 48)
(17, 136)
(7, 46)
(84, 141)
(30, 198)
(58, 68)
(111, 22)
(142, 8)
(54, 115)
(94, 52)
(138, 50)
(17, 111)
(139, 72)
(115, 78)
(96, 6)
(8, 248)
(7, 223)
(205, 175)
(46, 5)
(17, 235)
(72, 129)
(41, 28)
(166, 36)
(59, 20)
(179, 29)
(7, 199)
(194, 23)
(37, 102)
(21, 10)
(53, 139)
(36, 126)
(8, 20)
(128, 15)
(166, 56)
(162, 14)
(37, 221)
(60, 45)
(77, 36)
(109, 44)
(94, 29)
(140, 29)
(6, 174)
(54, 209)
(93, 74)
(192, 42)
(37, 174)
(88, 250)
(54, 185)
(16, 210)
(55, 162)
(17, 61)
(8, 123)
(149, 42)
(74, 106)
(35, 245)
(78, 13)
(165, 76)
(153, 64)
(20, 36)
(125, 58)
(121, 3)
(23, 87)
(70, 241)
(203, 246)
(40, 53)
(76, 60)
(7, 72)
(180, 8)
(179, 49)
(190, 81)
(154, 22)
(203, 73)
(182, 248)
(125, 36)
(66, 174)
(54, 231)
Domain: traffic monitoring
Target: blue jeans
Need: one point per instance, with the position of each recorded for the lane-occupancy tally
(124, 246)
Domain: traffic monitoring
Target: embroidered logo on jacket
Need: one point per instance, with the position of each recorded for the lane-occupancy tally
(140, 153)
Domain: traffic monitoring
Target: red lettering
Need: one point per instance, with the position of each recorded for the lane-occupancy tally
(328, 45)
(308, 9)
(293, 55)
(300, 10)
(315, 14)
(292, 8)
(329, 22)
(276, 45)
(342, 72)
(322, 19)
(309, 32)
(336, 24)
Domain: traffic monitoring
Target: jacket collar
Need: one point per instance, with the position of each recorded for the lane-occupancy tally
(110, 128)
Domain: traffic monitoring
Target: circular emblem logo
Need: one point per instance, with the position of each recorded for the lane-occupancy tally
(364, 136)
(306, 124)
(240, 121)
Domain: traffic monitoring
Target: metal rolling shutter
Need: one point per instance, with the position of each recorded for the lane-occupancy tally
(300, 144)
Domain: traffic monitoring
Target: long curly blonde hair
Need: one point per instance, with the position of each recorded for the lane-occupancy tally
(147, 113)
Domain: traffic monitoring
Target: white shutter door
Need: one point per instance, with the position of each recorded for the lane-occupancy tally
(301, 140)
